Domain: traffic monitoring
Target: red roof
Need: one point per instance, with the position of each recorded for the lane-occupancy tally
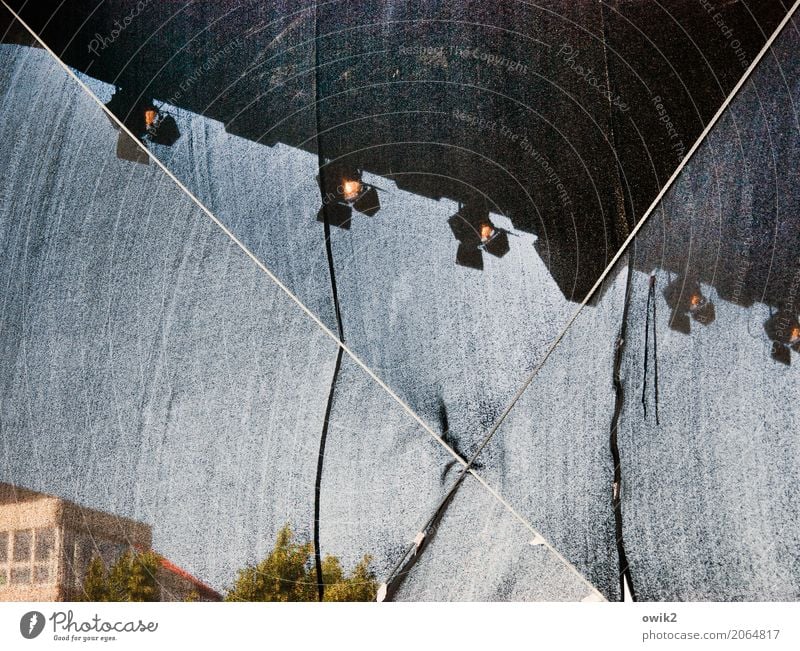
(204, 590)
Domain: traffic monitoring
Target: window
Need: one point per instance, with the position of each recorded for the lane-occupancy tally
(45, 545)
(44, 556)
(5, 538)
(27, 556)
(22, 546)
(41, 574)
(83, 551)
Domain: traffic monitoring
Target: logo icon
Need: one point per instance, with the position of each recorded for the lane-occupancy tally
(31, 624)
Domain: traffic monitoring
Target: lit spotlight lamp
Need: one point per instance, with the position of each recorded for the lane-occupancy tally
(476, 234)
(783, 330)
(343, 192)
(687, 302)
(144, 120)
(160, 127)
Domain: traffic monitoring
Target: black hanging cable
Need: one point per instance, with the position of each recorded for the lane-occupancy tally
(616, 486)
(655, 345)
(651, 306)
(318, 480)
(647, 343)
(339, 324)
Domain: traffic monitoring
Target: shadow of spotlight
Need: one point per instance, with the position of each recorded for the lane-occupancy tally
(131, 149)
(687, 302)
(145, 121)
(343, 192)
(783, 329)
(477, 234)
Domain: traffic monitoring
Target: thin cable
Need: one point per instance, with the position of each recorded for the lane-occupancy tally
(655, 348)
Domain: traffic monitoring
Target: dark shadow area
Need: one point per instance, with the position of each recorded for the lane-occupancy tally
(567, 118)
(476, 235)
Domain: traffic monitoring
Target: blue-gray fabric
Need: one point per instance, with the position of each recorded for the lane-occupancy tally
(151, 369)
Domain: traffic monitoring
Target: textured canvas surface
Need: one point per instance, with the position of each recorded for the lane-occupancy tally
(152, 367)
(710, 493)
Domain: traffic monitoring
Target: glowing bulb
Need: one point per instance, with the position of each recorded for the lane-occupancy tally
(150, 116)
(351, 190)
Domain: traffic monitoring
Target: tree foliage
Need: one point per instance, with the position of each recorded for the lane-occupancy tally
(288, 574)
(132, 577)
(359, 586)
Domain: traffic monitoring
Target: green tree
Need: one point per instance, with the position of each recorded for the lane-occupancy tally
(288, 574)
(132, 577)
(361, 585)
(95, 582)
(282, 576)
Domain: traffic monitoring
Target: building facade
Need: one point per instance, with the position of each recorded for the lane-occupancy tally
(47, 544)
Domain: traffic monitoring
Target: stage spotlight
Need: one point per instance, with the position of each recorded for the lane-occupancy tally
(161, 128)
(701, 309)
(150, 115)
(343, 192)
(339, 215)
(783, 329)
(144, 120)
(369, 202)
(361, 196)
(688, 303)
(476, 233)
